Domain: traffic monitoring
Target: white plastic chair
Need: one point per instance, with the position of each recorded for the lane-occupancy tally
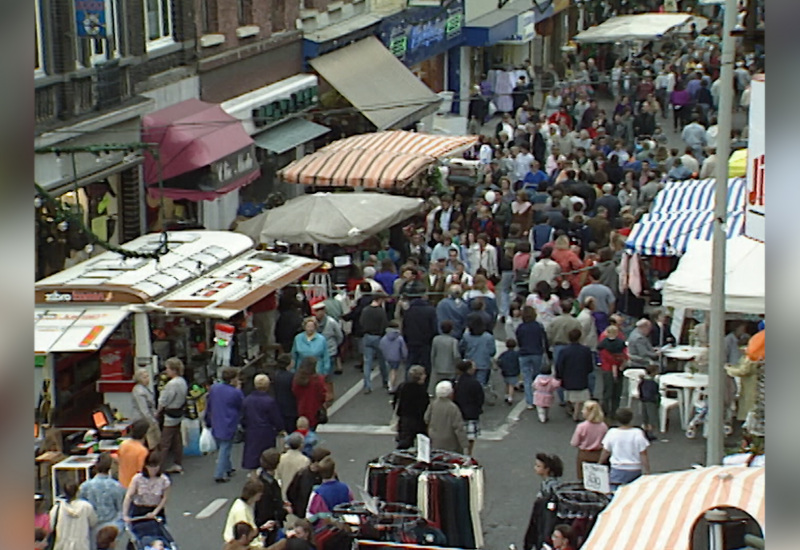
(634, 376)
(667, 403)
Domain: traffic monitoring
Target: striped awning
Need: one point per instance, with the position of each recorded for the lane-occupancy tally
(382, 159)
(682, 196)
(658, 512)
(668, 234)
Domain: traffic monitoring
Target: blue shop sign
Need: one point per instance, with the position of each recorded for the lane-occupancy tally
(417, 34)
(90, 16)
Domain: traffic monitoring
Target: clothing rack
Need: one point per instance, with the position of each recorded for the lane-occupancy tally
(388, 524)
(447, 491)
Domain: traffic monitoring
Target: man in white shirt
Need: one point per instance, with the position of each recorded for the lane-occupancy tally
(522, 163)
(709, 165)
(627, 448)
(689, 161)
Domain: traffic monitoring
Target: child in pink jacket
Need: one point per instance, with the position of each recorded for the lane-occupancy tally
(543, 387)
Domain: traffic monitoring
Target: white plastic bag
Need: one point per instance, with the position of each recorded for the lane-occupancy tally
(207, 442)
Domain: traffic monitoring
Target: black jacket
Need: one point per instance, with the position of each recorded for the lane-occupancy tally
(354, 315)
(289, 325)
(419, 323)
(282, 389)
(468, 395)
(299, 491)
(270, 507)
(573, 365)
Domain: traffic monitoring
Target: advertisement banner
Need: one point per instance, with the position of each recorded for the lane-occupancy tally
(90, 16)
(755, 206)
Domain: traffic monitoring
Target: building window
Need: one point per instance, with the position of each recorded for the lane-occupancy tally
(245, 9)
(210, 19)
(38, 61)
(158, 23)
(94, 51)
(278, 15)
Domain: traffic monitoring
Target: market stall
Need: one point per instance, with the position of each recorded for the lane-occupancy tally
(644, 26)
(380, 160)
(689, 286)
(98, 320)
(335, 218)
(666, 511)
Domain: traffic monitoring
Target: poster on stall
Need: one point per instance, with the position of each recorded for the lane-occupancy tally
(595, 478)
(755, 206)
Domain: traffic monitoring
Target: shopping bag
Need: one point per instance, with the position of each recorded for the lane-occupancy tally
(207, 443)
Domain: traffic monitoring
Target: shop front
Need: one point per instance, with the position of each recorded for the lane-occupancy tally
(204, 156)
(428, 40)
(96, 322)
(274, 116)
(102, 187)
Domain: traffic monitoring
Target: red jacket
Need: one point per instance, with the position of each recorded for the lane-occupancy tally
(310, 398)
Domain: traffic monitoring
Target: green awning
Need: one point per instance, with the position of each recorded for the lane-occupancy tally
(289, 135)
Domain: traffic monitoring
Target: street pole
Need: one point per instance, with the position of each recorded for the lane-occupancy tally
(715, 442)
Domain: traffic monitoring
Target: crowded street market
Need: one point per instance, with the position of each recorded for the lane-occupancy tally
(482, 314)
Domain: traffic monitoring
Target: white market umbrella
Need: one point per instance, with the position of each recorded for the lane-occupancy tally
(336, 218)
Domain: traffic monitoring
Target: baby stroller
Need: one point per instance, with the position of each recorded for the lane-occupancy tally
(144, 532)
(700, 414)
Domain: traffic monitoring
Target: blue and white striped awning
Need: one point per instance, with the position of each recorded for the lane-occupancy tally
(668, 234)
(698, 195)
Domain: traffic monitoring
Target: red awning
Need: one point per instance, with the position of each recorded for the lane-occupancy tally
(197, 195)
(190, 135)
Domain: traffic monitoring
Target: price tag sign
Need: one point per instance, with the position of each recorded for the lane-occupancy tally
(595, 478)
(423, 448)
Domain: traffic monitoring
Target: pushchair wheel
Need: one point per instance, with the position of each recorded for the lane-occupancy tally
(690, 433)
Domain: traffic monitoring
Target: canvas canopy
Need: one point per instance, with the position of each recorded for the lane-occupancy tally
(689, 286)
(658, 512)
(644, 26)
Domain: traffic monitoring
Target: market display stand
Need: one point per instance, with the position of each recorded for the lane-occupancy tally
(73, 468)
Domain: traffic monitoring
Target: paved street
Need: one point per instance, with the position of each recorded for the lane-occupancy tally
(358, 433)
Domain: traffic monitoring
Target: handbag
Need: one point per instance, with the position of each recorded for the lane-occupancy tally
(51, 538)
(322, 415)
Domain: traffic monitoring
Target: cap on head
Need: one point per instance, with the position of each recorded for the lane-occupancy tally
(317, 303)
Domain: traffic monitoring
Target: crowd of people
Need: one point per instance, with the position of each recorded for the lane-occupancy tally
(519, 277)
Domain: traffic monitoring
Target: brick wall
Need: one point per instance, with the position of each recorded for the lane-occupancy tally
(271, 16)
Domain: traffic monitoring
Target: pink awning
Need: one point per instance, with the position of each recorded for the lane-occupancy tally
(196, 195)
(190, 135)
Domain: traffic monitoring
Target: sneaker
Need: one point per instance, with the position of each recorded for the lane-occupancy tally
(367, 391)
(222, 479)
(174, 470)
(530, 408)
(231, 472)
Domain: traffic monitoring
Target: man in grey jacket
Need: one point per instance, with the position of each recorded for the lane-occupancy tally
(171, 402)
(640, 349)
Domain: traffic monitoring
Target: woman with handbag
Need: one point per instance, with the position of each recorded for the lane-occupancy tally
(71, 521)
(310, 392)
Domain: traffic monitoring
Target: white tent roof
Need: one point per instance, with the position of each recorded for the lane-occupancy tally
(644, 26)
(689, 286)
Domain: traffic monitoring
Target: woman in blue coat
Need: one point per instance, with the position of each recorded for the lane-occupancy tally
(262, 421)
(311, 343)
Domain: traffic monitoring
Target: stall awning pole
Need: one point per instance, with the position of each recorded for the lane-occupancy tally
(715, 443)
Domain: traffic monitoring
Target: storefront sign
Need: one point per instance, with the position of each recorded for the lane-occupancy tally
(273, 111)
(90, 17)
(418, 34)
(755, 208)
(231, 168)
(526, 29)
(77, 296)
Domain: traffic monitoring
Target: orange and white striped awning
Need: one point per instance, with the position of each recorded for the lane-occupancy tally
(382, 159)
(658, 512)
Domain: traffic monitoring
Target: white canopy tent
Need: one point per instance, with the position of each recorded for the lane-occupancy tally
(644, 26)
(689, 286)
